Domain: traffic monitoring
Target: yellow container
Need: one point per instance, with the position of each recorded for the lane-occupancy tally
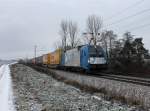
(46, 59)
(55, 57)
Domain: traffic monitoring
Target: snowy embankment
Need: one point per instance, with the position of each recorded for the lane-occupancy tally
(6, 102)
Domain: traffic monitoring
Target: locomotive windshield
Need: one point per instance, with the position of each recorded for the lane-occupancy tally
(96, 52)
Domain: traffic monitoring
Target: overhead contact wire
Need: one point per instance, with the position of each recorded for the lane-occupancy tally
(129, 17)
(124, 10)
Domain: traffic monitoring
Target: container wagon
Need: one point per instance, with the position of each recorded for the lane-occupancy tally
(46, 59)
(55, 58)
(39, 60)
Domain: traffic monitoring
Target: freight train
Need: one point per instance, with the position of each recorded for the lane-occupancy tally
(86, 58)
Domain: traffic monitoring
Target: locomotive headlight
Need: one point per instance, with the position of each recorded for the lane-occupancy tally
(91, 60)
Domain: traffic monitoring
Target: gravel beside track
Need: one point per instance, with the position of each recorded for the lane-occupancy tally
(35, 91)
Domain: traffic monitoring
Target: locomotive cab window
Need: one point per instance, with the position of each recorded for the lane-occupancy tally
(95, 52)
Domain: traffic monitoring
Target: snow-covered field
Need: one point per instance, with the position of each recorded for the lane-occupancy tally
(6, 96)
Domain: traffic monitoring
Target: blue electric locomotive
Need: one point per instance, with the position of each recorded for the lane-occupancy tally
(86, 57)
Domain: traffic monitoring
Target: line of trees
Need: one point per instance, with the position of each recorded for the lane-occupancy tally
(69, 32)
(121, 53)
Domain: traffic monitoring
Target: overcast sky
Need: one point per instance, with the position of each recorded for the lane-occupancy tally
(25, 23)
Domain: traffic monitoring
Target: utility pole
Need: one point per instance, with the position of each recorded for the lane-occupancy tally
(35, 47)
(91, 39)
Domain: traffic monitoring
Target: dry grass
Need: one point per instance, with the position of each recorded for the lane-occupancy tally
(108, 95)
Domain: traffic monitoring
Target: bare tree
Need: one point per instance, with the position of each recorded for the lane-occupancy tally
(64, 33)
(72, 32)
(94, 25)
(104, 42)
(108, 40)
(111, 38)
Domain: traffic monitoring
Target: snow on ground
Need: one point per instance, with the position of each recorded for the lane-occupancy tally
(6, 98)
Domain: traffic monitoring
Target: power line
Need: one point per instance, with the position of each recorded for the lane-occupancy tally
(124, 10)
(139, 27)
(129, 17)
(133, 23)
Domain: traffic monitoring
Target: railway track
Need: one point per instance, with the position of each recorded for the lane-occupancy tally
(134, 80)
(121, 78)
